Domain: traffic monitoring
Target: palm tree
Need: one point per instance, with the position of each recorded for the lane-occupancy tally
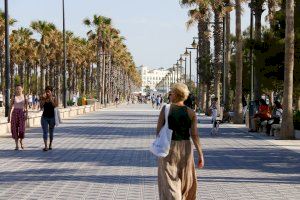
(257, 6)
(287, 127)
(238, 116)
(217, 8)
(201, 15)
(2, 35)
(100, 24)
(44, 29)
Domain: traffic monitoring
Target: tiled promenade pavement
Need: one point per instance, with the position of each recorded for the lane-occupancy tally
(104, 155)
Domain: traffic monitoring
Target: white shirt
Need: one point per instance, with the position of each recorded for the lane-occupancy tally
(1, 97)
(30, 98)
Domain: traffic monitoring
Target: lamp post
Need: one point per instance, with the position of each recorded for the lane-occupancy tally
(7, 62)
(196, 46)
(65, 59)
(177, 65)
(183, 60)
(189, 53)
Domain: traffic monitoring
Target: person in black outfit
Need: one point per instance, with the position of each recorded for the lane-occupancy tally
(48, 103)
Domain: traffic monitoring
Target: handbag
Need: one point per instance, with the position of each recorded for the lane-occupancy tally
(161, 145)
(57, 117)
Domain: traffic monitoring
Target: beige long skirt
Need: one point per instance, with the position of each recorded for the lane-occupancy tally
(176, 173)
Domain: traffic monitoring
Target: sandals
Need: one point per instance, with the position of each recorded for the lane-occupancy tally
(45, 149)
(17, 148)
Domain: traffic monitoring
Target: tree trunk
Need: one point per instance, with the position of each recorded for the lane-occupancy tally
(102, 78)
(12, 79)
(227, 61)
(258, 10)
(42, 80)
(207, 98)
(83, 75)
(287, 127)
(238, 112)
(36, 79)
(217, 57)
(29, 77)
(47, 75)
(98, 76)
(203, 98)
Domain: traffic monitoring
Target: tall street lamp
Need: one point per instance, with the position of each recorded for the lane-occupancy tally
(196, 46)
(183, 60)
(7, 62)
(65, 59)
(177, 65)
(189, 53)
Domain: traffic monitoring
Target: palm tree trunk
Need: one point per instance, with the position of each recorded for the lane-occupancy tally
(88, 79)
(98, 81)
(258, 10)
(203, 97)
(227, 61)
(83, 75)
(238, 113)
(103, 78)
(28, 75)
(36, 79)
(287, 127)
(42, 79)
(207, 98)
(12, 78)
(47, 75)
(217, 57)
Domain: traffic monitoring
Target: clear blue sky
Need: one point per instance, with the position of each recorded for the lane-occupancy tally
(155, 30)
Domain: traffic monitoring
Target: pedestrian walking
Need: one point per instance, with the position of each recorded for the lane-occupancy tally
(117, 101)
(214, 114)
(176, 172)
(153, 100)
(47, 104)
(17, 116)
(158, 100)
(30, 100)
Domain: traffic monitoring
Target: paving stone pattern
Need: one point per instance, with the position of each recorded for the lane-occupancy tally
(104, 155)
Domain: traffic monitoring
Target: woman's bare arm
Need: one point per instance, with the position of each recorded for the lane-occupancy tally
(161, 120)
(195, 136)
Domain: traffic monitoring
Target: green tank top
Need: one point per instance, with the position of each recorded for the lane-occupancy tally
(179, 122)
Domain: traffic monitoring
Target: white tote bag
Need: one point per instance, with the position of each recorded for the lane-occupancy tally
(57, 117)
(161, 145)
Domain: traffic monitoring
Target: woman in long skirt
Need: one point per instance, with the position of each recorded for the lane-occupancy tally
(176, 173)
(17, 117)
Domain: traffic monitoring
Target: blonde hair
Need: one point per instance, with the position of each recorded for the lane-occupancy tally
(181, 91)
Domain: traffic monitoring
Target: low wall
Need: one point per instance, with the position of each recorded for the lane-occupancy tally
(34, 117)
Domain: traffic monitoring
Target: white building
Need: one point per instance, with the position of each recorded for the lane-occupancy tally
(150, 77)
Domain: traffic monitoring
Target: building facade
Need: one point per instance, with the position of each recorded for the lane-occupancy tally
(151, 77)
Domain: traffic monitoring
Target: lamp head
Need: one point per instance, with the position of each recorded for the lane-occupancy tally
(194, 44)
(180, 59)
(186, 53)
